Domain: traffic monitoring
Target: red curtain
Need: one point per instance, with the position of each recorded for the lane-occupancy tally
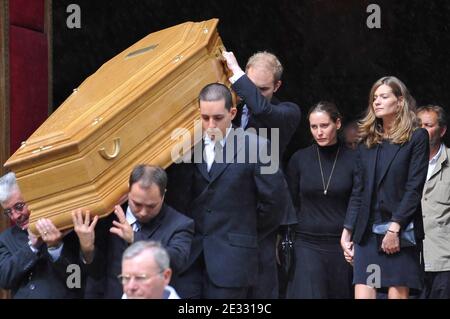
(28, 60)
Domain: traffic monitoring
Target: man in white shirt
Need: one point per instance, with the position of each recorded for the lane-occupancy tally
(146, 273)
(436, 206)
(146, 217)
(237, 201)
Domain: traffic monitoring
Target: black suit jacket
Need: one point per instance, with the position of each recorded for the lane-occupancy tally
(173, 229)
(235, 207)
(399, 190)
(31, 275)
(267, 114)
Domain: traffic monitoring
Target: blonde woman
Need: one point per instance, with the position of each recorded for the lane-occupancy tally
(392, 162)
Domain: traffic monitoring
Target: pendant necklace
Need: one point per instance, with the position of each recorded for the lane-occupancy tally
(325, 188)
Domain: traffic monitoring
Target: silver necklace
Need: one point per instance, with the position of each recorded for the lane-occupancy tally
(325, 188)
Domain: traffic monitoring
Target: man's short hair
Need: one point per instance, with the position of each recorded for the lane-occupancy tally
(267, 60)
(440, 112)
(216, 92)
(147, 175)
(158, 252)
(8, 184)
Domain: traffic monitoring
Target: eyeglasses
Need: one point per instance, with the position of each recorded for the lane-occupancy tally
(18, 207)
(141, 278)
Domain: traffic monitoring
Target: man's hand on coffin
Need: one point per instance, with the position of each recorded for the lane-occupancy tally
(232, 63)
(34, 240)
(49, 233)
(85, 229)
(122, 228)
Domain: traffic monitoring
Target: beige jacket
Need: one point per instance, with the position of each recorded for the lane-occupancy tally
(436, 215)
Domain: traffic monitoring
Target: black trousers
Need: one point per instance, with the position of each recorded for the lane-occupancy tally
(266, 286)
(195, 283)
(436, 285)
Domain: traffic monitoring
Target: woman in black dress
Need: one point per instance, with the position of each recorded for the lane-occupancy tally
(392, 163)
(320, 179)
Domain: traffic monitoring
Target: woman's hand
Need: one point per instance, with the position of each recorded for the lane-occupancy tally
(347, 245)
(391, 241)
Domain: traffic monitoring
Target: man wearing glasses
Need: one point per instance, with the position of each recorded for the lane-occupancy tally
(33, 266)
(146, 273)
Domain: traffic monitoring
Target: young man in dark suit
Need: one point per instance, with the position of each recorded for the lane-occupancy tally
(236, 202)
(259, 108)
(262, 111)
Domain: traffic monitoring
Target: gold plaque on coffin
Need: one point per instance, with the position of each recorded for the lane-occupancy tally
(120, 116)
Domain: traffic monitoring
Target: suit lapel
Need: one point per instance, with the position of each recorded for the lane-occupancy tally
(201, 165)
(219, 166)
(19, 235)
(234, 143)
(148, 229)
(442, 160)
(371, 161)
(388, 157)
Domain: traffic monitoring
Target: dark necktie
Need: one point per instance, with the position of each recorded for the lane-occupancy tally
(136, 226)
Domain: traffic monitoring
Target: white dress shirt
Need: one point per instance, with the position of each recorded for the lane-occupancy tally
(132, 220)
(432, 163)
(210, 148)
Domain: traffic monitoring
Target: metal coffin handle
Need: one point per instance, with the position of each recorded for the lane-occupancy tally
(116, 150)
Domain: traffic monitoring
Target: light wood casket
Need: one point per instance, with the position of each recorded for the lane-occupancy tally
(122, 115)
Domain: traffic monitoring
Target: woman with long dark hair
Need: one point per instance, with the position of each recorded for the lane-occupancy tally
(320, 179)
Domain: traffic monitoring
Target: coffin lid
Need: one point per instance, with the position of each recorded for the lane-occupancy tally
(149, 60)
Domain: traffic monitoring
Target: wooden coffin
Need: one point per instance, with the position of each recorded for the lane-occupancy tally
(120, 116)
